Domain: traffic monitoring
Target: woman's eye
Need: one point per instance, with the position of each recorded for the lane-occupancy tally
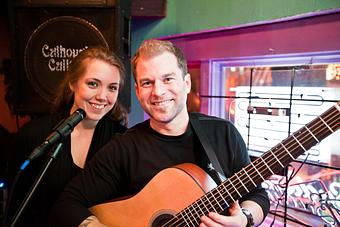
(113, 88)
(92, 84)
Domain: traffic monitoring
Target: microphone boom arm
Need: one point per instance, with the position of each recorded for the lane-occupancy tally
(65, 128)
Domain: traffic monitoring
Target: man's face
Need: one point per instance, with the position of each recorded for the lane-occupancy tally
(161, 88)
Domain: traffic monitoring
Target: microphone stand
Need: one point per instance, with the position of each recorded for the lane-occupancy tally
(36, 184)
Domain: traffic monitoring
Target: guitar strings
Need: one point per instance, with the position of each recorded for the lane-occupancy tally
(292, 143)
(236, 183)
(258, 168)
(273, 159)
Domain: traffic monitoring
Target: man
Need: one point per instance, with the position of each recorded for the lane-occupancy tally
(128, 162)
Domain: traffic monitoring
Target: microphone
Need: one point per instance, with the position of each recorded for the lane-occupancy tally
(64, 129)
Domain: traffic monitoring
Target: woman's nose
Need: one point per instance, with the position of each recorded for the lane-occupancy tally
(101, 94)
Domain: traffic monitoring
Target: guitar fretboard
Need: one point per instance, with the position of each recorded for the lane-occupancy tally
(260, 169)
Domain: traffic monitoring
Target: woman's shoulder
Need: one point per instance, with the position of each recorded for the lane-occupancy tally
(42, 124)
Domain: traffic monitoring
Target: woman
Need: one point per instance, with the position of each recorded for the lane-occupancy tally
(92, 83)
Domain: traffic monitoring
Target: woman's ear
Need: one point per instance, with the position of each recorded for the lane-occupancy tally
(71, 87)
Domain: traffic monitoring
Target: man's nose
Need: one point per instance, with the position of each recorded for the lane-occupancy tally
(158, 88)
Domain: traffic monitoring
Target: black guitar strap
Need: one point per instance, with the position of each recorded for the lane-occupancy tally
(216, 168)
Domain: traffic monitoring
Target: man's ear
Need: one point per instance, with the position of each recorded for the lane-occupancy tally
(187, 81)
(136, 90)
(136, 87)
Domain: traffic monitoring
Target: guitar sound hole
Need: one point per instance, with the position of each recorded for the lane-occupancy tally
(161, 220)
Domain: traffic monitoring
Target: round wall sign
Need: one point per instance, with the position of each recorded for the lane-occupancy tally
(51, 48)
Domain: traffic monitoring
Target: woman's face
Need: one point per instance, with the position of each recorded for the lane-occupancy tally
(96, 91)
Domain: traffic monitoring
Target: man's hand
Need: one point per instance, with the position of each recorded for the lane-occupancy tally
(236, 218)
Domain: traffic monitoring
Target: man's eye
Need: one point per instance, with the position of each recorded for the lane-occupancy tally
(146, 84)
(169, 79)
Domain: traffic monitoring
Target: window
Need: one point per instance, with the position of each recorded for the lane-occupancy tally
(270, 98)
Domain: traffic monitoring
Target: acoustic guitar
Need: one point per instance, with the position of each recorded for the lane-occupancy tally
(180, 195)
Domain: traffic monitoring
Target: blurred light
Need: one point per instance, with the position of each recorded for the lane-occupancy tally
(2, 184)
(241, 70)
(333, 72)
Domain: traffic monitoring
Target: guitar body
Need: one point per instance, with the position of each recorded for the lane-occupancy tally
(170, 191)
(183, 189)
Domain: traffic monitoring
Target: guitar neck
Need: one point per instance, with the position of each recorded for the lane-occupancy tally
(261, 168)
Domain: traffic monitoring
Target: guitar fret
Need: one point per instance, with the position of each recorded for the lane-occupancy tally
(199, 207)
(197, 214)
(277, 159)
(195, 220)
(287, 151)
(312, 134)
(206, 209)
(266, 165)
(257, 171)
(225, 189)
(234, 188)
(299, 143)
(249, 177)
(325, 124)
(210, 204)
(225, 202)
(189, 219)
(242, 183)
(216, 202)
(181, 213)
(192, 216)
